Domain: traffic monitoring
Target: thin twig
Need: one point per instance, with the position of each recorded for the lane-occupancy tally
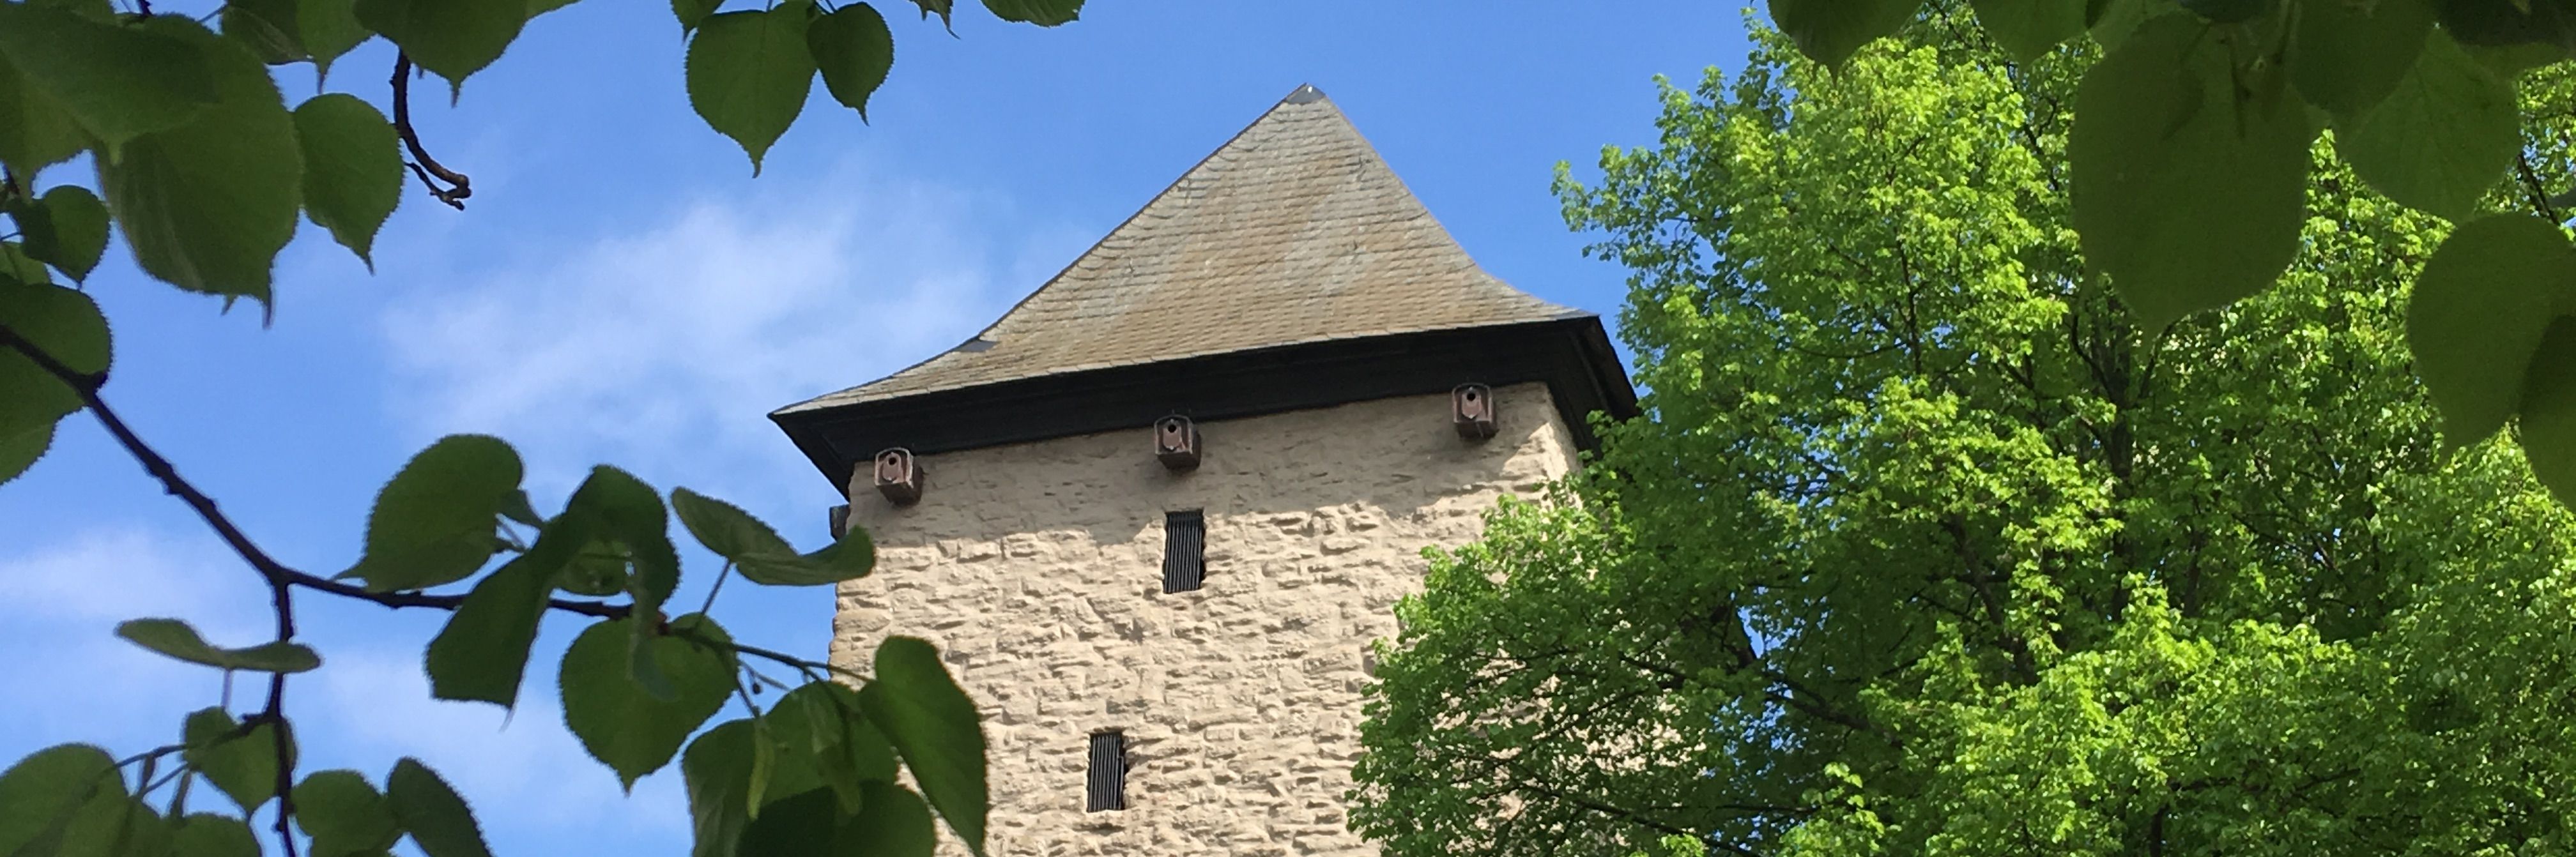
(458, 186)
(726, 572)
(275, 714)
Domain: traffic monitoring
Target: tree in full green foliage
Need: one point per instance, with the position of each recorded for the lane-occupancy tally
(206, 170)
(1933, 542)
(2190, 163)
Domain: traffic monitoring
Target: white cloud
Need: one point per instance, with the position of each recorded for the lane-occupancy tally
(59, 606)
(663, 349)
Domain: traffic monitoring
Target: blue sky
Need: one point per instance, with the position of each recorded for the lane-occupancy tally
(621, 289)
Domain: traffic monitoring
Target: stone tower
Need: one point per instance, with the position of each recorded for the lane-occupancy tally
(1166, 622)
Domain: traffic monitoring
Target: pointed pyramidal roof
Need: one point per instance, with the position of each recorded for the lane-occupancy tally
(1293, 232)
(1289, 270)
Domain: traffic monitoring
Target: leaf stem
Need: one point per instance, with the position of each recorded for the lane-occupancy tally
(726, 572)
(458, 185)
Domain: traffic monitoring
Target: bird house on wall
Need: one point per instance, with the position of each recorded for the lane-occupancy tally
(1176, 442)
(1471, 408)
(898, 476)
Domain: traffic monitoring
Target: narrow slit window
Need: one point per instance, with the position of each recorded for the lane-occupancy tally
(1108, 772)
(1184, 551)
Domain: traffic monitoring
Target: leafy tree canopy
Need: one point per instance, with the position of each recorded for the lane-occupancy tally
(2189, 164)
(1933, 541)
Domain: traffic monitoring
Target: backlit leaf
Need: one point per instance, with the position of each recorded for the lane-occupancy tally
(330, 29)
(66, 228)
(2444, 137)
(2187, 197)
(758, 552)
(207, 205)
(2347, 56)
(116, 81)
(1044, 13)
(823, 737)
(482, 654)
(242, 766)
(267, 27)
(433, 813)
(935, 727)
(353, 169)
(621, 724)
(113, 825)
(434, 523)
(178, 640)
(2478, 312)
(34, 131)
(748, 73)
(1829, 31)
(206, 834)
(39, 792)
(65, 325)
(451, 38)
(693, 12)
(2028, 28)
(2548, 429)
(717, 769)
(854, 50)
(344, 814)
(892, 822)
(19, 449)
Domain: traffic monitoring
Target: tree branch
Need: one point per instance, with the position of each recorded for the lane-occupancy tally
(458, 187)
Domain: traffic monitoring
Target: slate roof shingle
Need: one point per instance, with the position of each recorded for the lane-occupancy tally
(1295, 231)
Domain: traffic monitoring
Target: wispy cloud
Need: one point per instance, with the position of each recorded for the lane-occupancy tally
(664, 348)
(60, 602)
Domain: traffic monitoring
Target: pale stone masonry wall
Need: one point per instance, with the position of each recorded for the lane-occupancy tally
(1037, 569)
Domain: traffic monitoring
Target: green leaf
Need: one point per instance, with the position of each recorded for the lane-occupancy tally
(206, 834)
(176, 639)
(2347, 56)
(629, 512)
(34, 131)
(39, 792)
(823, 737)
(113, 825)
(330, 29)
(617, 720)
(344, 814)
(854, 50)
(935, 727)
(2477, 315)
(943, 8)
(207, 205)
(2507, 22)
(353, 169)
(268, 27)
(2188, 198)
(2230, 11)
(482, 654)
(540, 7)
(2111, 21)
(67, 229)
(693, 12)
(434, 523)
(243, 767)
(118, 82)
(717, 769)
(2548, 401)
(760, 554)
(748, 73)
(892, 822)
(19, 449)
(65, 325)
(452, 38)
(2028, 28)
(1044, 13)
(1830, 31)
(436, 816)
(2442, 139)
